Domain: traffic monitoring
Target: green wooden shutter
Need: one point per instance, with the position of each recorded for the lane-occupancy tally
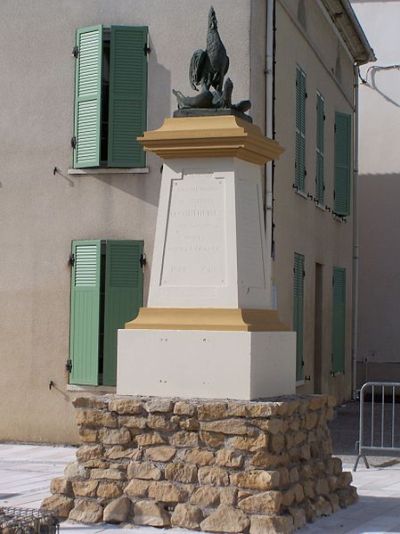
(300, 162)
(319, 179)
(88, 97)
(298, 312)
(342, 163)
(123, 297)
(85, 312)
(338, 320)
(128, 96)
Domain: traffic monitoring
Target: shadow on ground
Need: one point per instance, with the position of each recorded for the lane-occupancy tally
(344, 429)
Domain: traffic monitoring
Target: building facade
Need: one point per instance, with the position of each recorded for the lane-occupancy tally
(79, 200)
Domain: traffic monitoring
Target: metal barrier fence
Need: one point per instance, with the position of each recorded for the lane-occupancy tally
(379, 420)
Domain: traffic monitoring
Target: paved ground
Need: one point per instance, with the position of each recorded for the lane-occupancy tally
(26, 471)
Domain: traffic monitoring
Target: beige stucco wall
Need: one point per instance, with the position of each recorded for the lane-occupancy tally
(299, 225)
(379, 191)
(40, 213)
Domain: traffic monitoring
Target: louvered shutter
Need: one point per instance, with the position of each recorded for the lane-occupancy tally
(319, 180)
(338, 320)
(342, 163)
(123, 297)
(298, 312)
(128, 96)
(85, 312)
(88, 97)
(300, 162)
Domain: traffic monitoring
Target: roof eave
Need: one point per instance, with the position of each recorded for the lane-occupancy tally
(346, 22)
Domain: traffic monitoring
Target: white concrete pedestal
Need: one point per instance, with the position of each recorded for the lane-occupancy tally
(210, 246)
(207, 331)
(206, 364)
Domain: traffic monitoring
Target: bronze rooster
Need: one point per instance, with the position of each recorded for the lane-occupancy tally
(208, 67)
(207, 70)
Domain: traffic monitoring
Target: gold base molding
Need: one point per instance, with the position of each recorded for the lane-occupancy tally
(219, 136)
(224, 319)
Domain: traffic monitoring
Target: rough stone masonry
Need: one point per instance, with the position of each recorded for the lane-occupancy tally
(216, 466)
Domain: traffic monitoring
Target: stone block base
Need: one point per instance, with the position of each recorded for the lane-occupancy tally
(219, 466)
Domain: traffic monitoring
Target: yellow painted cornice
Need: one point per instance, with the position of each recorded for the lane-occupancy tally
(217, 136)
(223, 319)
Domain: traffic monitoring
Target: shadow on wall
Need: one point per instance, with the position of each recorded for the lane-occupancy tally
(146, 187)
(379, 277)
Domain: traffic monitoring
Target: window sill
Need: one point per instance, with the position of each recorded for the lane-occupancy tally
(340, 218)
(134, 170)
(91, 389)
(320, 207)
(299, 383)
(301, 194)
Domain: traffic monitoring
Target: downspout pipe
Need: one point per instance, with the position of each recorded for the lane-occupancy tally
(356, 245)
(269, 129)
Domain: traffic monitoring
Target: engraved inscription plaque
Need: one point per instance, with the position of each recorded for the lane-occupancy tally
(195, 241)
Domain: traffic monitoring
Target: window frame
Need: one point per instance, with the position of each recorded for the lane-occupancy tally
(300, 141)
(320, 151)
(137, 160)
(298, 312)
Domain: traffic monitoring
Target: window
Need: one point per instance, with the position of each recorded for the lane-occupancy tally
(298, 312)
(342, 164)
(110, 96)
(300, 168)
(319, 170)
(106, 292)
(338, 320)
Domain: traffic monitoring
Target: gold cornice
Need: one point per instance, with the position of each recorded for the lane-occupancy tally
(217, 136)
(223, 319)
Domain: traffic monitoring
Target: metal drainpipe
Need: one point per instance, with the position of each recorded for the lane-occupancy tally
(269, 126)
(356, 246)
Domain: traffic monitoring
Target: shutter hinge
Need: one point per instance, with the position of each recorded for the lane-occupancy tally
(73, 142)
(143, 260)
(75, 52)
(334, 128)
(146, 49)
(71, 260)
(304, 274)
(68, 366)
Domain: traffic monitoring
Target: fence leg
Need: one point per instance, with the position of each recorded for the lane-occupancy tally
(358, 459)
(356, 464)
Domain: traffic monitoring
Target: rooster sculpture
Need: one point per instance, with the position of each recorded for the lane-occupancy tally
(208, 67)
(207, 70)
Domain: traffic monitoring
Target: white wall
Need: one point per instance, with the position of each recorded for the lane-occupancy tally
(379, 193)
